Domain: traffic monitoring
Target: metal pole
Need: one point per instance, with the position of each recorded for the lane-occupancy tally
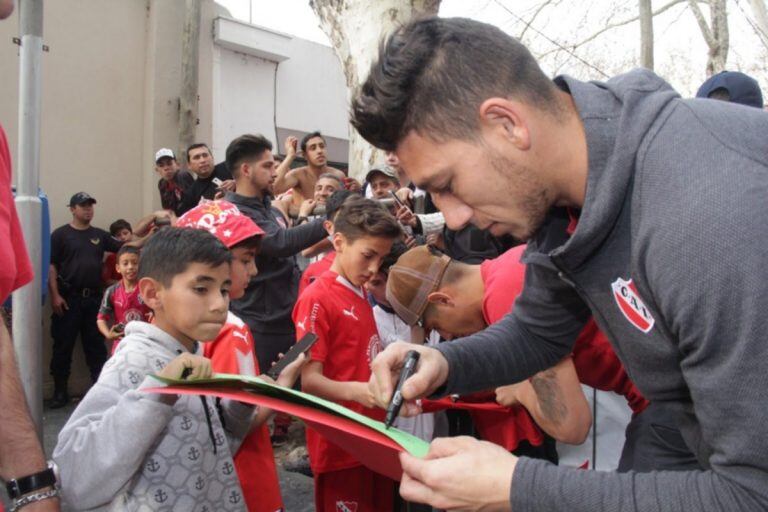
(27, 307)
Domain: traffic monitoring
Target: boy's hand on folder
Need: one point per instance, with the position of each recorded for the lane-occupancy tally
(199, 367)
(431, 373)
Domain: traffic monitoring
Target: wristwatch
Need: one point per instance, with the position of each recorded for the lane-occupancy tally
(18, 487)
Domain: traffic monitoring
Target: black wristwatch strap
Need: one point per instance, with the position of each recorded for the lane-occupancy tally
(18, 487)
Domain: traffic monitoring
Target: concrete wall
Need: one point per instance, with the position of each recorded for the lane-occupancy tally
(111, 84)
(110, 88)
(307, 93)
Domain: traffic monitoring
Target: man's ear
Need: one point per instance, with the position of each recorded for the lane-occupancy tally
(151, 293)
(441, 298)
(245, 169)
(508, 118)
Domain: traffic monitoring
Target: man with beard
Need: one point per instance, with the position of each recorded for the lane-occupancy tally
(642, 209)
(269, 299)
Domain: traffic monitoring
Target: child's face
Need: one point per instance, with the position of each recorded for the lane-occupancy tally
(128, 266)
(359, 260)
(377, 287)
(124, 235)
(243, 270)
(194, 306)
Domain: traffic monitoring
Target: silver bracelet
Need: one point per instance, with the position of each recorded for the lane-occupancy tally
(34, 498)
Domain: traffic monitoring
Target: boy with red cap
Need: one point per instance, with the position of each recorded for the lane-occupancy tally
(233, 350)
(335, 309)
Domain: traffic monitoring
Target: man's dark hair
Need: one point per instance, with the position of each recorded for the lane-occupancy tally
(359, 217)
(335, 200)
(433, 74)
(127, 249)
(245, 147)
(119, 225)
(197, 145)
(305, 139)
(170, 251)
(398, 249)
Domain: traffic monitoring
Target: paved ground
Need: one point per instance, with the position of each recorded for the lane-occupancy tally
(296, 488)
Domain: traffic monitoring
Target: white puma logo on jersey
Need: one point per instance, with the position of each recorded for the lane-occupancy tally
(238, 334)
(350, 312)
(302, 325)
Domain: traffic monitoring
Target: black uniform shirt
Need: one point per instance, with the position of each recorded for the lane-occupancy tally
(78, 255)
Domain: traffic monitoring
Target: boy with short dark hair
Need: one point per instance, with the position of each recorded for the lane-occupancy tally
(335, 308)
(121, 302)
(120, 230)
(139, 451)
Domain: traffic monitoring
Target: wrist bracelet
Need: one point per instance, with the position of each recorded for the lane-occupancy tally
(34, 498)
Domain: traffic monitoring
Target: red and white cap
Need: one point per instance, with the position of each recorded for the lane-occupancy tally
(223, 220)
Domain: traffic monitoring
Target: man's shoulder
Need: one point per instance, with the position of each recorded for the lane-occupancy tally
(299, 171)
(62, 230)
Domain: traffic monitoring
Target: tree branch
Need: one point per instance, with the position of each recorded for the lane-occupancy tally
(709, 38)
(611, 26)
(533, 18)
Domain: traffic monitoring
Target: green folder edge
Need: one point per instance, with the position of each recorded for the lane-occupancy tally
(410, 443)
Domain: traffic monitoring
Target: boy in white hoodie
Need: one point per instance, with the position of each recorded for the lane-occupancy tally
(123, 449)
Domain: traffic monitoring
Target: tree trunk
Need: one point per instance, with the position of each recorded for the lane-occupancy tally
(646, 34)
(355, 28)
(715, 33)
(760, 19)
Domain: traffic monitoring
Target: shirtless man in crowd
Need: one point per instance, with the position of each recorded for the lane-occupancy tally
(302, 180)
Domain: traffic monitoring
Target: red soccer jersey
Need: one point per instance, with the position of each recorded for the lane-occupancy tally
(16, 270)
(233, 351)
(315, 270)
(120, 306)
(347, 342)
(596, 363)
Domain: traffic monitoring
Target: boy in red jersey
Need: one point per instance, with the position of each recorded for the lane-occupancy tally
(122, 302)
(233, 350)
(335, 308)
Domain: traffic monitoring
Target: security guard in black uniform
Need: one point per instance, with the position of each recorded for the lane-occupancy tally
(77, 253)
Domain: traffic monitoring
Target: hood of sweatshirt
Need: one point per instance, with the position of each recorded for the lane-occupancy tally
(617, 115)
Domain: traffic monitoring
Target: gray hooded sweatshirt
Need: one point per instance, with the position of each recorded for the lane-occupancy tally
(670, 256)
(125, 450)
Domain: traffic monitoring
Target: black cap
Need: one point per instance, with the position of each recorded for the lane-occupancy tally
(81, 198)
(741, 88)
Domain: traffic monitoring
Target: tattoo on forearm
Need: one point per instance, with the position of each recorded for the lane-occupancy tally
(549, 396)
